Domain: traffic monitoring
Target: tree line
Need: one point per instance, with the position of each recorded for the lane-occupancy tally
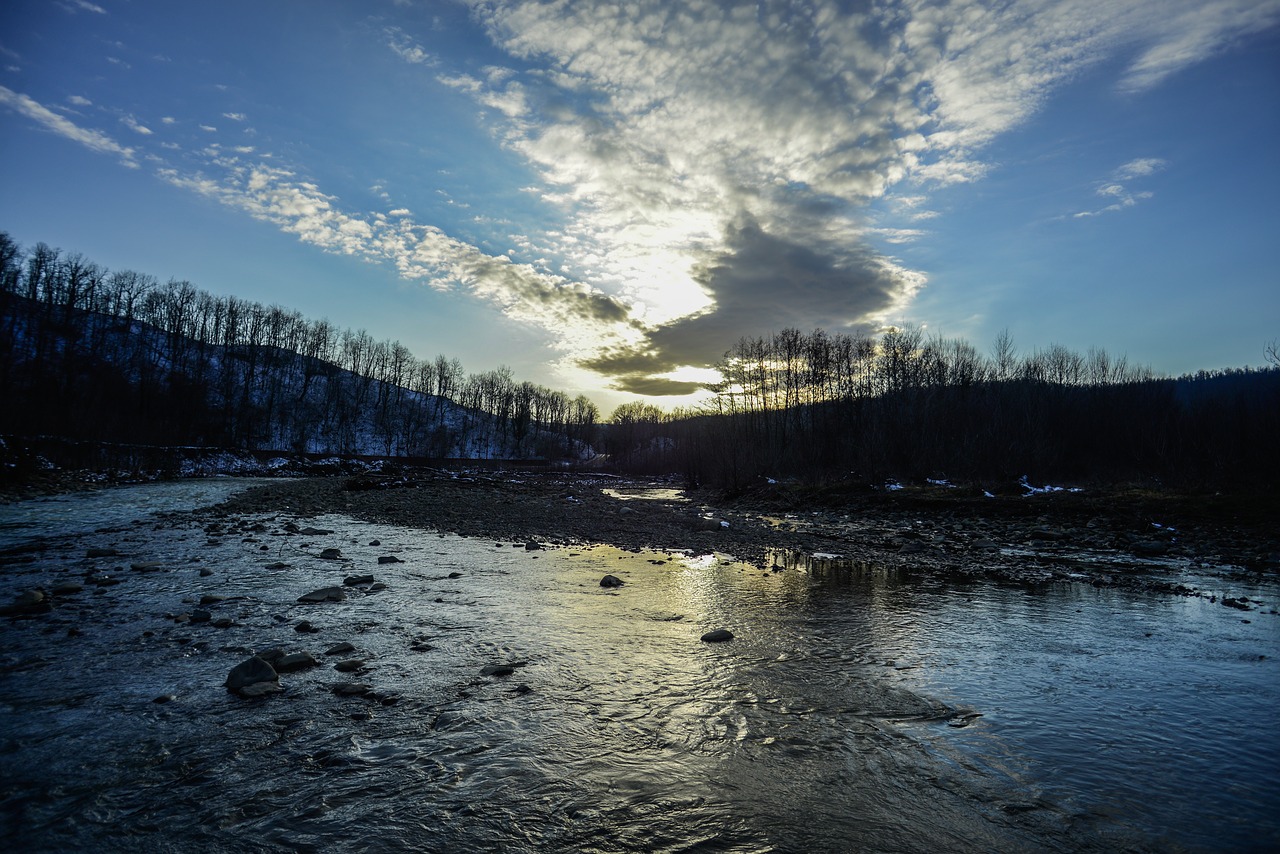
(906, 405)
(117, 356)
(100, 355)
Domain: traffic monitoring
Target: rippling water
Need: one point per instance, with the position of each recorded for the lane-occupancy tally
(856, 709)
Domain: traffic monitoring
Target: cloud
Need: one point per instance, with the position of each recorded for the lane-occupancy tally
(235, 117)
(581, 315)
(92, 139)
(1140, 168)
(759, 283)
(407, 49)
(682, 139)
(1116, 189)
(1185, 33)
(84, 6)
(132, 124)
(79, 101)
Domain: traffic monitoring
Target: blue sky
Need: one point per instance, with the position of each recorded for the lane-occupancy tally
(607, 196)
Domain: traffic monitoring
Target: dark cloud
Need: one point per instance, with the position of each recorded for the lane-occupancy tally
(760, 283)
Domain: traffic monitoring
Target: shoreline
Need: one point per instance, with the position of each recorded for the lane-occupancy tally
(1106, 538)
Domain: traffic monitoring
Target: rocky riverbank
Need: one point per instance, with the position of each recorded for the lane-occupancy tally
(1131, 538)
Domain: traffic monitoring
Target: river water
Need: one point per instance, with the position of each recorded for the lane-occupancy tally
(857, 708)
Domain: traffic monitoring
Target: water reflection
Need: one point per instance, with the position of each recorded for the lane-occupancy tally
(857, 707)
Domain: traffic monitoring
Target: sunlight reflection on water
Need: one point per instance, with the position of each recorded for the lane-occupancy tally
(858, 707)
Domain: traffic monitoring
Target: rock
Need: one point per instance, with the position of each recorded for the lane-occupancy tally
(271, 656)
(532, 546)
(331, 554)
(31, 597)
(200, 615)
(251, 671)
(324, 594)
(278, 565)
(295, 661)
(339, 649)
(205, 572)
(305, 627)
(1046, 534)
(1150, 548)
(349, 665)
(377, 585)
(147, 566)
(223, 623)
(314, 532)
(389, 559)
(497, 670)
(718, 636)
(102, 553)
(259, 689)
(210, 599)
(165, 698)
(455, 575)
(353, 580)
(352, 689)
(67, 588)
(521, 689)
(375, 543)
(611, 581)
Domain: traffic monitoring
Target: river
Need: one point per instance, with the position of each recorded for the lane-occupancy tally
(856, 709)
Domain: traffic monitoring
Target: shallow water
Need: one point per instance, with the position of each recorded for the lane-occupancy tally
(856, 709)
(81, 512)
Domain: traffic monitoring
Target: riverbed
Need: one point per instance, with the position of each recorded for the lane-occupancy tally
(858, 706)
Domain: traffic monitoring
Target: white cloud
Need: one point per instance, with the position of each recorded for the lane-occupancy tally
(134, 125)
(674, 134)
(1190, 31)
(235, 117)
(582, 317)
(407, 49)
(92, 139)
(1116, 187)
(79, 101)
(1140, 168)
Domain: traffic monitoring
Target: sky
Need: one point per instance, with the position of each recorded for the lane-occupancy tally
(606, 197)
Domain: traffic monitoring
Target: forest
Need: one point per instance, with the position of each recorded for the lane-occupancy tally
(907, 406)
(116, 356)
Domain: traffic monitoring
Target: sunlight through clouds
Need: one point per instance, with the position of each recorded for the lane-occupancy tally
(682, 174)
(718, 158)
